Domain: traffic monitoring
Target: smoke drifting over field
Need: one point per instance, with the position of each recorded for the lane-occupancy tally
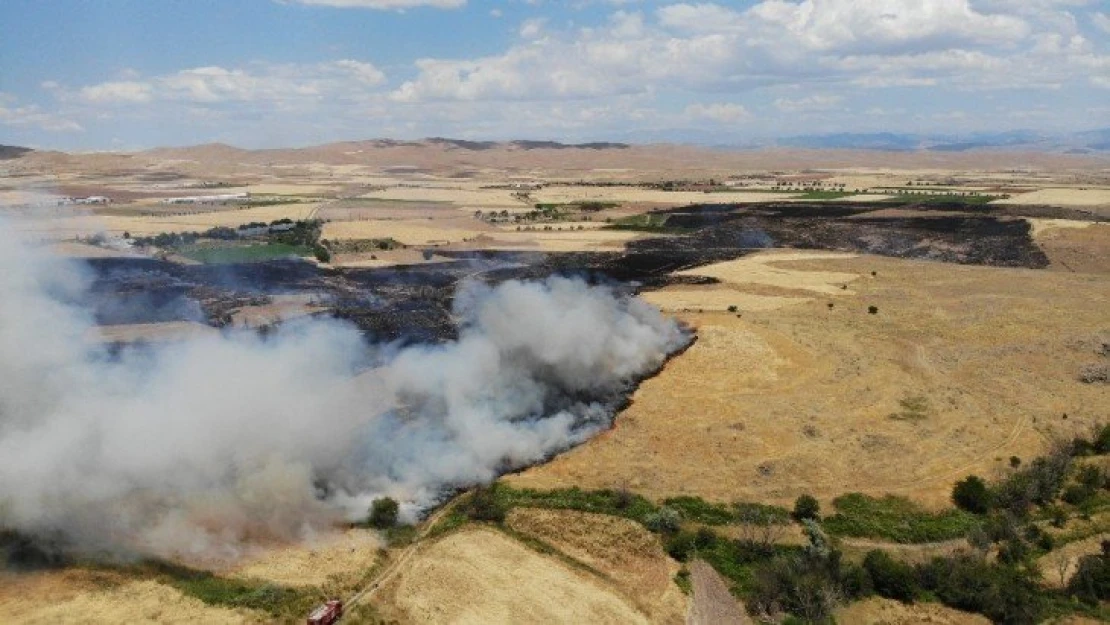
(203, 446)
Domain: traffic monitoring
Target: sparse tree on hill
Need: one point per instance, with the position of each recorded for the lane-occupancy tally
(972, 494)
(383, 513)
(806, 507)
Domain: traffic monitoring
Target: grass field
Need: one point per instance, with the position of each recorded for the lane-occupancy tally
(223, 254)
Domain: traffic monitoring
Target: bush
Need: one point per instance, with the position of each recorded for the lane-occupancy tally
(890, 578)
(664, 521)
(972, 494)
(321, 253)
(1038, 483)
(484, 505)
(698, 510)
(1003, 594)
(383, 513)
(1102, 440)
(806, 507)
(1077, 494)
(681, 544)
(897, 519)
(1091, 582)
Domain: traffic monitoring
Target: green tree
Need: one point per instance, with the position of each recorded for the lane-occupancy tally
(484, 506)
(383, 513)
(806, 507)
(890, 578)
(972, 494)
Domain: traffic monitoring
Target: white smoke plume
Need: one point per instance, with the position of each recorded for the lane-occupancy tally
(201, 447)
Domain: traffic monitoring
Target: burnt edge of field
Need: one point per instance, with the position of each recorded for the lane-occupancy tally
(412, 303)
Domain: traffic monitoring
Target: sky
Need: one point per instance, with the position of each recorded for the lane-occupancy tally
(132, 74)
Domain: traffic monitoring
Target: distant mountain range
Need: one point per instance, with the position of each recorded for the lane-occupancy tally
(1091, 141)
(12, 151)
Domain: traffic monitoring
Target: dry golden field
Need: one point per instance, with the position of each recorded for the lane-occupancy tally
(771, 403)
(482, 576)
(799, 389)
(58, 597)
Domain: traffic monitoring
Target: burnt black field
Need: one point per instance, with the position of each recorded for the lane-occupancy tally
(413, 303)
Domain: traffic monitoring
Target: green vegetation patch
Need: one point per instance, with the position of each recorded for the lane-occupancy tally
(962, 200)
(221, 254)
(611, 502)
(360, 246)
(277, 600)
(645, 222)
(697, 510)
(825, 195)
(896, 519)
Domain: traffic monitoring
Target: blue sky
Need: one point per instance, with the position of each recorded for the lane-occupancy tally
(125, 74)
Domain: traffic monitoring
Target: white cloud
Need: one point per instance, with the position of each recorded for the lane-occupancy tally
(33, 116)
(1102, 21)
(260, 82)
(818, 102)
(722, 113)
(394, 5)
(532, 28)
(116, 92)
(854, 25)
(709, 47)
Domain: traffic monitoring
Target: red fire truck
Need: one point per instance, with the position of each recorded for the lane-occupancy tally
(327, 613)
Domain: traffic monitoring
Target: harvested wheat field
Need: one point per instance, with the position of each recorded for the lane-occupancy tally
(481, 576)
(1074, 248)
(620, 549)
(877, 611)
(410, 231)
(959, 368)
(80, 597)
(340, 559)
(1063, 197)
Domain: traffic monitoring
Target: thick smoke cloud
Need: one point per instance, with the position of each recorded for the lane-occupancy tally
(201, 447)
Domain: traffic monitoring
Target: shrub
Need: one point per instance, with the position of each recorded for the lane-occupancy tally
(484, 505)
(897, 519)
(972, 494)
(681, 544)
(1003, 594)
(665, 521)
(872, 310)
(1038, 483)
(890, 578)
(1058, 516)
(1102, 440)
(321, 253)
(806, 507)
(383, 513)
(1091, 582)
(700, 511)
(1077, 494)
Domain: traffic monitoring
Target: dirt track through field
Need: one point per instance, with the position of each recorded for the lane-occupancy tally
(713, 604)
(388, 572)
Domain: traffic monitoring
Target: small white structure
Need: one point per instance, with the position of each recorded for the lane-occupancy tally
(223, 198)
